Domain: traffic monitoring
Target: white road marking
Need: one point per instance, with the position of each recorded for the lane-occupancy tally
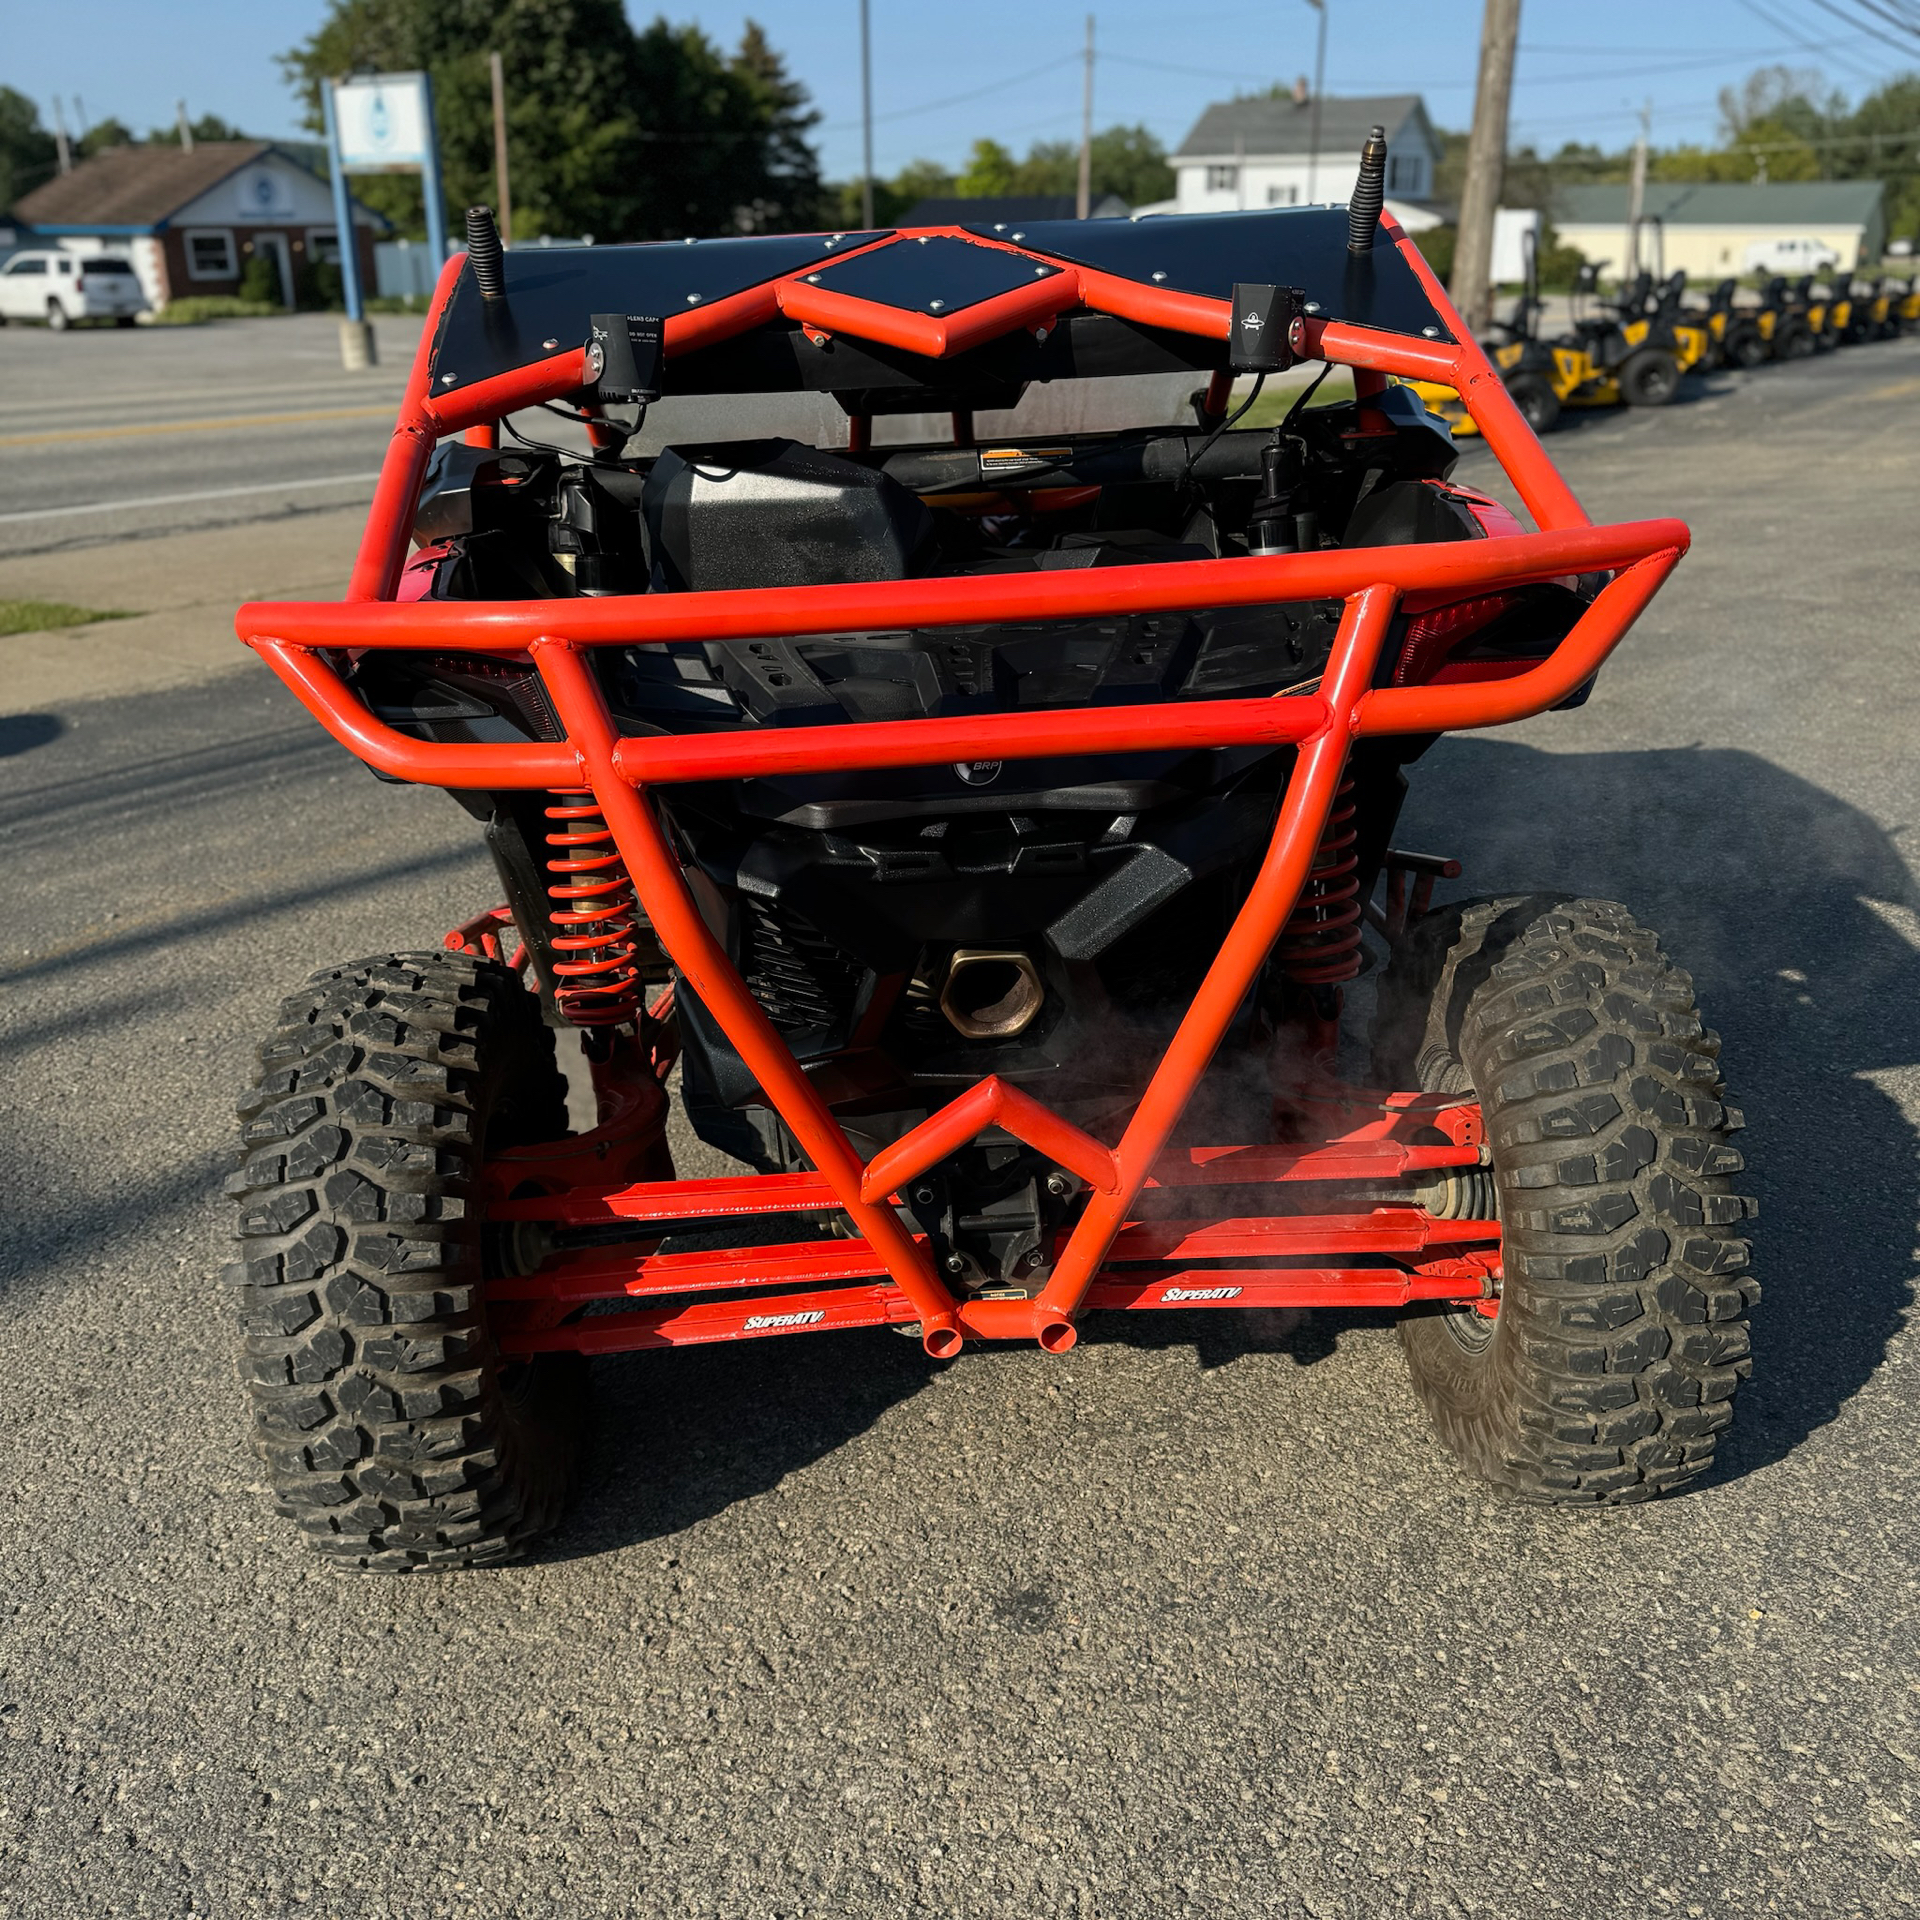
(269, 488)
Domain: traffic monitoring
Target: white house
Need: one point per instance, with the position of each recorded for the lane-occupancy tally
(1260, 152)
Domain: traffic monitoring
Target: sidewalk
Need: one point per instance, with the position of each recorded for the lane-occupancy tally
(182, 590)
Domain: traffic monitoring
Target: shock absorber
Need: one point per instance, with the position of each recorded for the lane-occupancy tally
(1320, 944)
(596, 979)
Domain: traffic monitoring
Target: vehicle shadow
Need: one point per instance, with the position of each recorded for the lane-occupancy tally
(1800, 922)
(683, 1434)
(22, 732)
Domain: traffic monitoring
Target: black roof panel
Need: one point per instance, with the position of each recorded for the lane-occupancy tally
(1205, 253)
(551, 291)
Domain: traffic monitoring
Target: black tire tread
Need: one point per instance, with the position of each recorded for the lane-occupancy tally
(377, 1393)
(1622, 1332)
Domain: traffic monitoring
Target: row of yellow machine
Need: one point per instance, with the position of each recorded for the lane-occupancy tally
(1634, 349)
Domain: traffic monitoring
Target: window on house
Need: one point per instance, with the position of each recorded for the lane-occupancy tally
(323, 246)
(1222, 179)
(1283, 196)
(1405, 173)
(210, 255)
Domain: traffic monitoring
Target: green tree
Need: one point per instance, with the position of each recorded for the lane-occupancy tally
(624, 135)
(1883, 143)
(1127, 161)
(208, 127)
(893, 199)
(100, 136)
(781, 107)
(27, 152)
(1131, 162)
(991, 172)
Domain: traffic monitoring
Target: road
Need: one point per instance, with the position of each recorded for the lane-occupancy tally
(1185, 1623)
(179, 427)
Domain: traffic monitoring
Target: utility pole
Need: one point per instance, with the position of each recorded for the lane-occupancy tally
(1083, 209)
(1319, 81)
(1637, 192)
(1472, 287)
(185, 126)
(501, 185)
(62, 151)
(866, 118)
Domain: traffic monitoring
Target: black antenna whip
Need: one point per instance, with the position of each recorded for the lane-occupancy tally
(485, 255)
(1369, 193)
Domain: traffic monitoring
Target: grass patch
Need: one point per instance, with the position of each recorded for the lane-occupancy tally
(1271, 408)
(43, 616)
(191, 311)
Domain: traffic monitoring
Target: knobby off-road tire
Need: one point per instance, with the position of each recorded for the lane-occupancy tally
(1621, 1335)
(391, 1430)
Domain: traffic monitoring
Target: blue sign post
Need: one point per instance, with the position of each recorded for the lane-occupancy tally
(430, 192)
(342, 208)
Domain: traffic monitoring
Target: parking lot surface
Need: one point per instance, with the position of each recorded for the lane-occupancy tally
(1191, 1621)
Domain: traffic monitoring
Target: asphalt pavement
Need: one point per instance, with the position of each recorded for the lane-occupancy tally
(108, 435)
(1187, 1622)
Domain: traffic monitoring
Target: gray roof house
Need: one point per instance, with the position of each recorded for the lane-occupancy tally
(1259, 152)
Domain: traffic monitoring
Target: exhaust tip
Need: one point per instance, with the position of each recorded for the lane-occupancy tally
(991, 995)
(1057, 1336)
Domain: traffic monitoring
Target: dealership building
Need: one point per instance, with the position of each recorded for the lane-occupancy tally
(1706, 227)
(190, 218)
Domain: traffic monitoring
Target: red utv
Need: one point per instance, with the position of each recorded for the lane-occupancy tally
(987, 824)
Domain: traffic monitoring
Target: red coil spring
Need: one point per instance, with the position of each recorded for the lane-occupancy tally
(596, 982)
(1320, 944)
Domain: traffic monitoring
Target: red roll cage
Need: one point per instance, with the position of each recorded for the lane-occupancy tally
(1110, 1258)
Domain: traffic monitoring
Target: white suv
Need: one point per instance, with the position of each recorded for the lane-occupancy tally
(60, 288)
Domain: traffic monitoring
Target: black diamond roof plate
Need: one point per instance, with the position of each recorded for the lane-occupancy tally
(936, 275)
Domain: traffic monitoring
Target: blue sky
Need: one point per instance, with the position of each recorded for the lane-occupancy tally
(945, 74)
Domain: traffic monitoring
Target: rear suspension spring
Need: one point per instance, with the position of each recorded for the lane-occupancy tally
(596, 978)
(1320, 944)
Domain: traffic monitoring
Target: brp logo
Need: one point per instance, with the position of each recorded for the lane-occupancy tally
(978, 773)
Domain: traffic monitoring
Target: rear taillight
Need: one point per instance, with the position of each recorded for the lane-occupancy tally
(1433, 635)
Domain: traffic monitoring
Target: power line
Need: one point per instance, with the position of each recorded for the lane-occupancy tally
(960, 99)
(1806, 46)
(1894, 20)
(1861, 26)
